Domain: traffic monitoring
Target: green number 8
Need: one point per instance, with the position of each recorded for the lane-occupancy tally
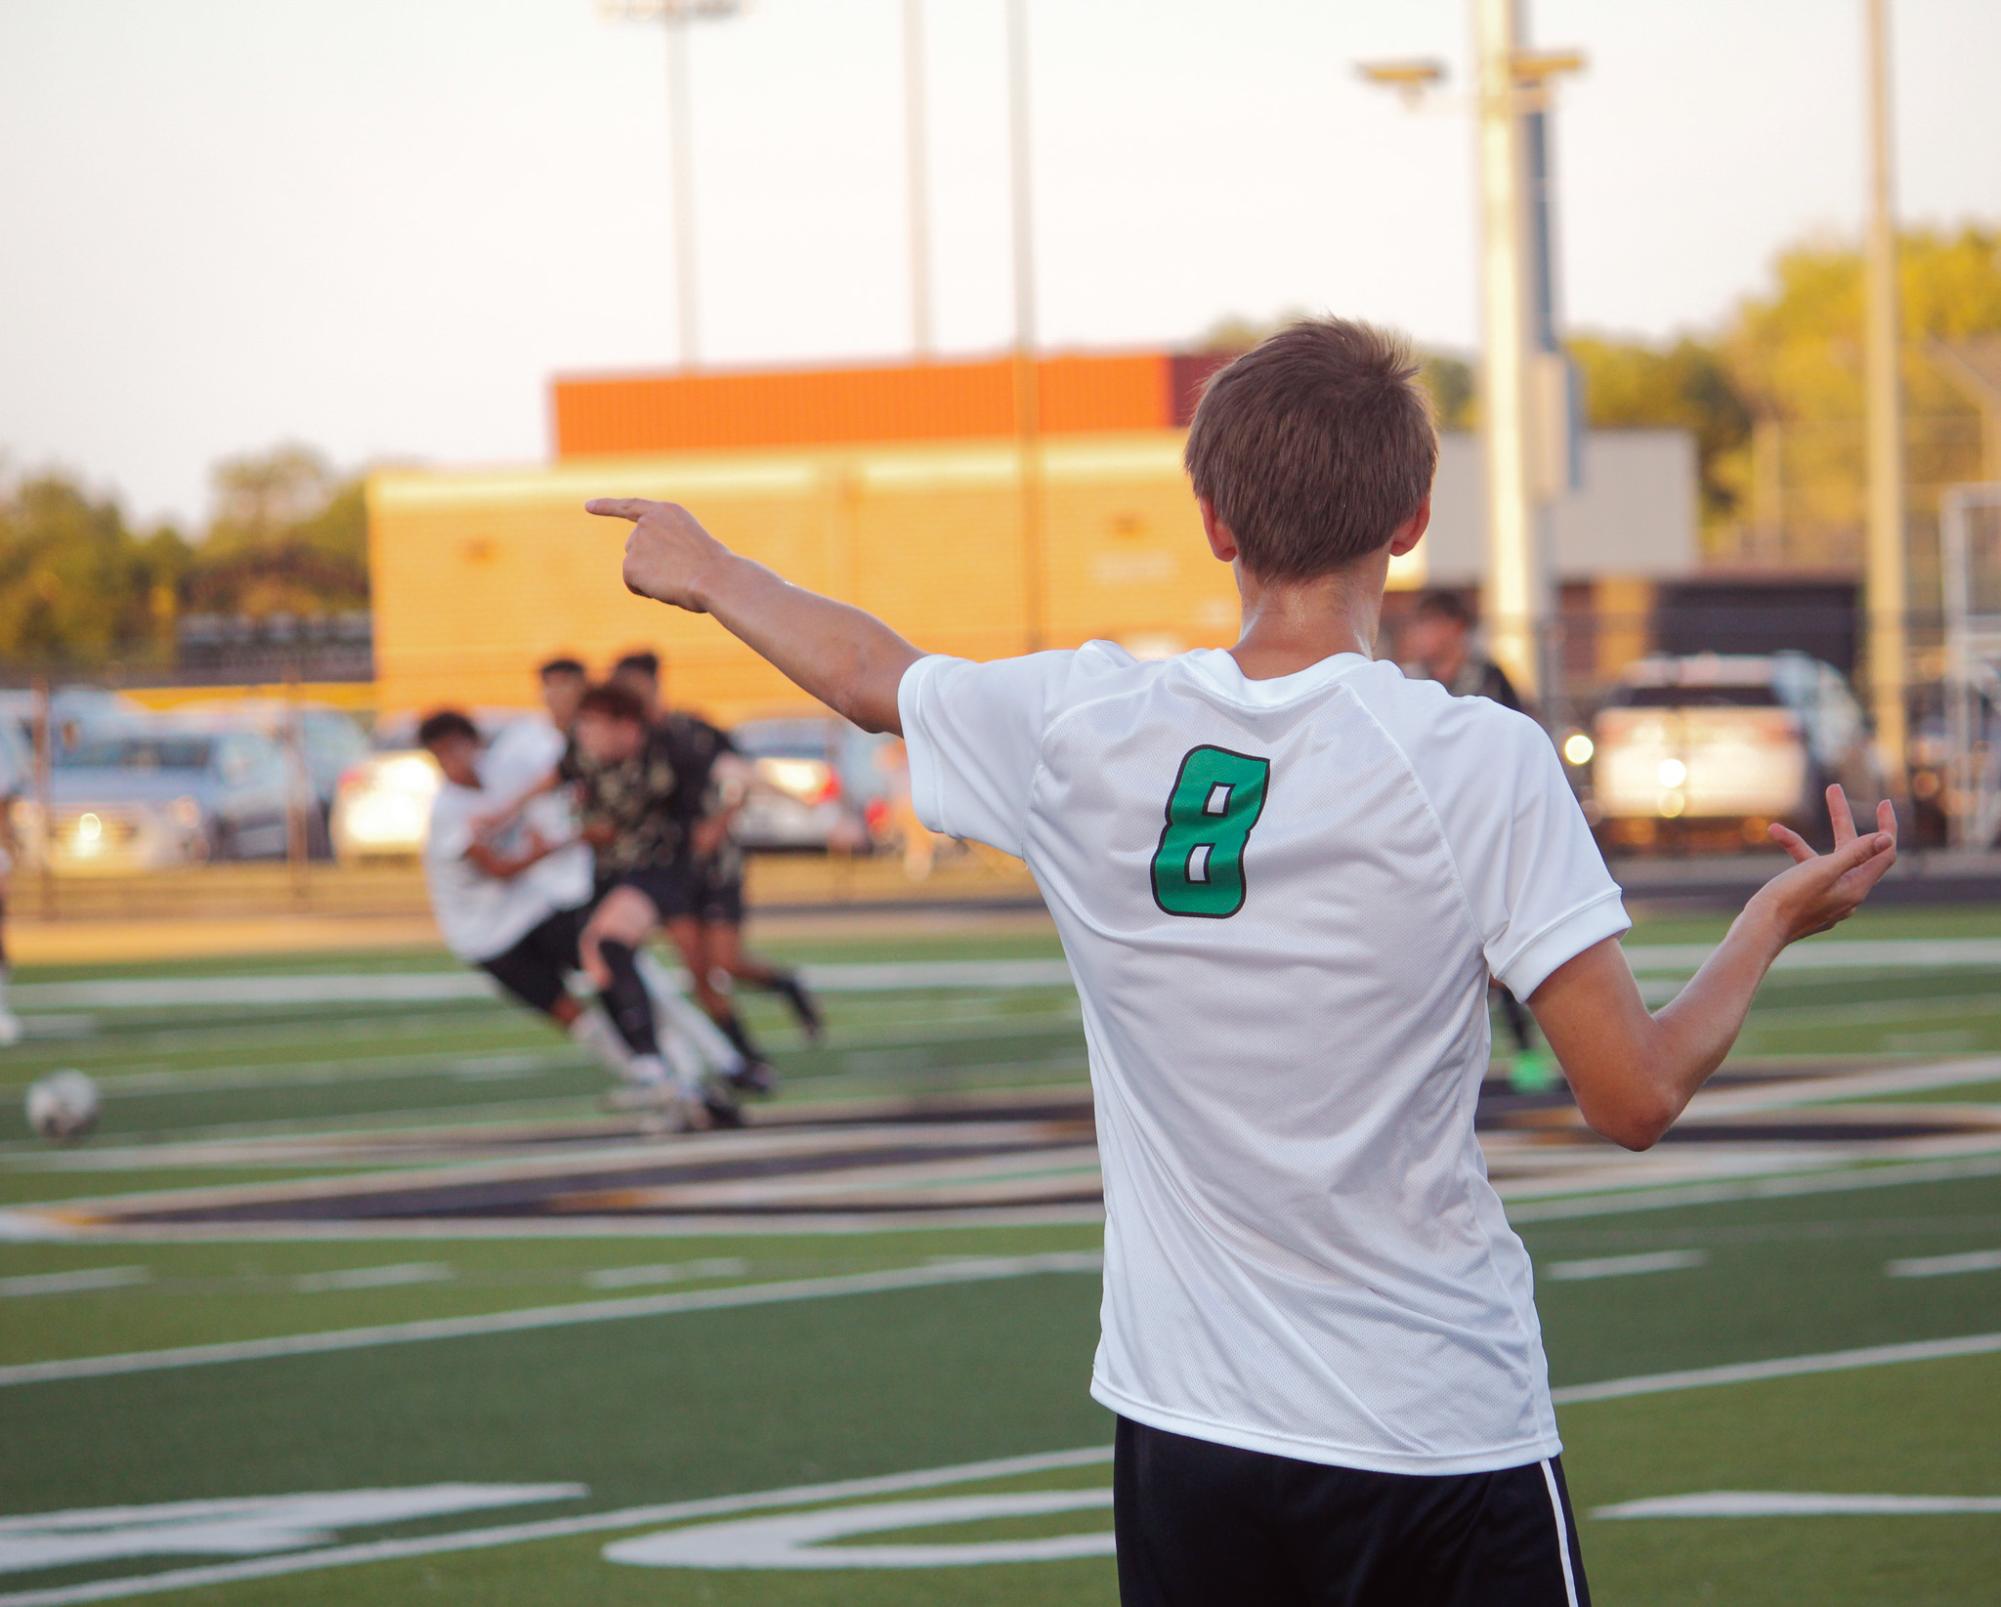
(1198, 869)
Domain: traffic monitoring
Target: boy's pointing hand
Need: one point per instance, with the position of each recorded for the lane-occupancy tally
(668, 556)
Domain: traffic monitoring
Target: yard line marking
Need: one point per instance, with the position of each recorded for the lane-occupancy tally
(1791, 1504)
(390, 1277)
(632, 1277)
(1753, 1372)
(978, 1270)
(1786, 1186)
(1624, 1266)
(1874, 954)
(555, 1528)
(68, 1283)
(1943, 1266)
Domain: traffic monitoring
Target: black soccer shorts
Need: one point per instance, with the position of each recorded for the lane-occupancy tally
(669, 888)
(1204, 1525)
(534, 968)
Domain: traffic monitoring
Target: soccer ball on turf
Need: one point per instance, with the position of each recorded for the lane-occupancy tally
(63, 1106)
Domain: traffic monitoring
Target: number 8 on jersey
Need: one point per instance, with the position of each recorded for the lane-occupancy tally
(1198, 869)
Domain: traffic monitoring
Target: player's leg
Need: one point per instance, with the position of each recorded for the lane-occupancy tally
(10, 1024)
(722, 922)
(685, 1020)
(532, 972)
(608, 948)
(690, 940)
(1194, 1523)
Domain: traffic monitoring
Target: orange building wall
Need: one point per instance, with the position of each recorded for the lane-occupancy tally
(479, 575)
(951, 400)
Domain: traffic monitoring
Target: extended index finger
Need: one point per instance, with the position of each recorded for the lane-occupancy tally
(633, 508)
(1839, 815)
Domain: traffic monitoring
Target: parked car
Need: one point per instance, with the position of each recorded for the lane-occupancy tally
(73, 710)
(153, 794)
(818, 783)
(1725, 741)
(382, 802)
(329, 741)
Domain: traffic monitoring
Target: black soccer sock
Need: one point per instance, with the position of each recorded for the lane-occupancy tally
(786, 985)
(730, 1024)
(629, 1004)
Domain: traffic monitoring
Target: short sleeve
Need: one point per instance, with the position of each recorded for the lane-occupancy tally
(450, 833)
(974, 735)
(1537, 883)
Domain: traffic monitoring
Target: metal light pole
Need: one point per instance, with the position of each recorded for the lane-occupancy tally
(1027, 403)
(1887, 581)
(918, 178)
(677, 14)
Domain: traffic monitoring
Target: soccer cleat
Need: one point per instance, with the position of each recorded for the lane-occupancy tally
(721, 1110)
(754, 1077)
(672, 1113)
(1532, 1072)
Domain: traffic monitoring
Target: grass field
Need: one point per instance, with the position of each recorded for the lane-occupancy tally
(359, 1296)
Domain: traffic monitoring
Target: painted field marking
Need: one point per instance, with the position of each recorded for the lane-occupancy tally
(555, 1528)
(390, 1277)
(1793, 1504)
(1757, 1372)
(1626, 1266)
(679, 1272)
(1668, 1197)
(892, 1484)
(71, 1283)
(1944, 1266)
(972, 1270)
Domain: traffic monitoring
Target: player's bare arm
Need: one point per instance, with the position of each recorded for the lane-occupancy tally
(490, 861)
(1634, 1071)
(848, 659)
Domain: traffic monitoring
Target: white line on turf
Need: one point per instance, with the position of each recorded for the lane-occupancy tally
(71, 1283)
(555, 1528)
(1944, 1266)
(1625, 1266)
(1787, 1186)
(1791, 1504)
(390, 1277)
(1755, 1372)
(972, 1270)
(964, 1473)
(633, 1277)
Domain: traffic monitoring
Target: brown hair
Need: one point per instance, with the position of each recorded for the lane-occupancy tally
(612, 703)
(1314, 446)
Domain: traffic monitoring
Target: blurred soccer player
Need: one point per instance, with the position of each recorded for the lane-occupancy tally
(1283, 874)
(10, 1024)
(494, 914)
(638, 809)
(713, 770)
(1437, 641)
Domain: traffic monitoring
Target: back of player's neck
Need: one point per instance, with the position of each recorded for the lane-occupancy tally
(1291, 628)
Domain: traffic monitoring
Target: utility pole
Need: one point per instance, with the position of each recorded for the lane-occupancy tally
(1887, 588)
(1027, 401)
(676, 15)
(918, 177)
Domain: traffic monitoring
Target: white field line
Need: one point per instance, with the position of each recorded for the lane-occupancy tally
(1945, 1266)
(1788, 1186)
(1866, 954)
(980, 1270)
(892, 1484)
(389, 1277)
(1625, 1266)
(678, 1272)
(558, 1528)
(1756, 1372)
(1797, 1504)
(70, 1283)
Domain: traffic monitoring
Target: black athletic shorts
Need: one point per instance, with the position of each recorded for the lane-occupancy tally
(718, 895)
(669, 888)
(1203, 1525)
(533, 970)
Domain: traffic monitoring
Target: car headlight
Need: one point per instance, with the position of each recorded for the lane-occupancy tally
(1578, 748)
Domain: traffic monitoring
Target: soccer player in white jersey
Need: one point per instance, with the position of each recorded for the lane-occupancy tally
(1283, 875)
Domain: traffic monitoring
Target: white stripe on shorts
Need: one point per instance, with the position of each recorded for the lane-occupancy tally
(1562, 1533)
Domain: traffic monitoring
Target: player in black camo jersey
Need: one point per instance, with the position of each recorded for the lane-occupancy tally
(711, 935)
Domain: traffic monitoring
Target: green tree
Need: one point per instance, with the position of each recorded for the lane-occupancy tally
(76, 585)
(289, 535)
(1684, 385)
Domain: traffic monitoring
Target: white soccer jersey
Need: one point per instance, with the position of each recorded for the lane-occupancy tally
(523, 754)
(479, 916)
(1282, 901)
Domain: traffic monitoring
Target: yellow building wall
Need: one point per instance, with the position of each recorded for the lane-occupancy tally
(479, 575)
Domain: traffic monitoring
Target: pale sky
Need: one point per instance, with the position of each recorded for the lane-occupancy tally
(379, 226)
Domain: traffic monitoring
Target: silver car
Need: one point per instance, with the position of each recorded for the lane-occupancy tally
(148, 796)
(1725, 741)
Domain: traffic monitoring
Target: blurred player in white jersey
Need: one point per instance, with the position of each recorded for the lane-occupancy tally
(1284, 875)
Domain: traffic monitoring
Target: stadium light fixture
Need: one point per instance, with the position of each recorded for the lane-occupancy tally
(677, 14)
(1411, 78)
